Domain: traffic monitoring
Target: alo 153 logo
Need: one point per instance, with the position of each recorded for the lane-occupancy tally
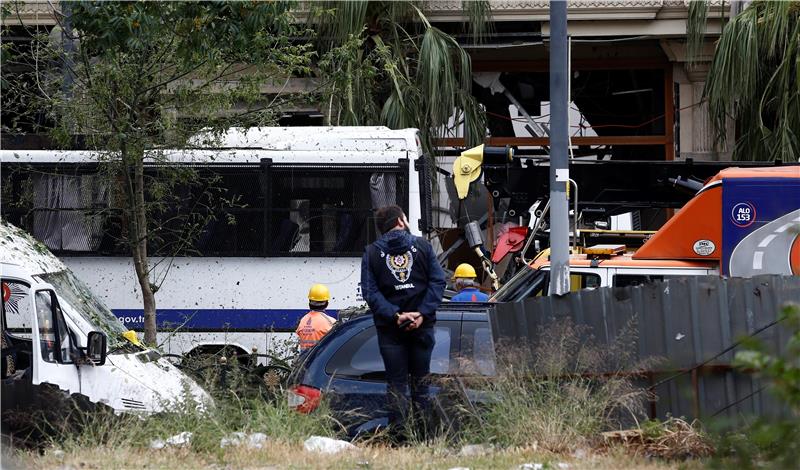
(743, 214)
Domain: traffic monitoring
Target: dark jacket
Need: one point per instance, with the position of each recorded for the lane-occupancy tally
(400, 273)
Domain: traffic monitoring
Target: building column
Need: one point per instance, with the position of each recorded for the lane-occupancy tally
(696, 137)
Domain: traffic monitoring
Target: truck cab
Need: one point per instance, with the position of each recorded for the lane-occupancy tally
(60, 344)
(743, 222)
(588, 271)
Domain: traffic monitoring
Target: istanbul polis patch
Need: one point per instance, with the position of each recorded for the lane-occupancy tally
(400, 265)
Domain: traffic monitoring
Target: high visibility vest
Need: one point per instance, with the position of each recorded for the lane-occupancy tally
(312, 327)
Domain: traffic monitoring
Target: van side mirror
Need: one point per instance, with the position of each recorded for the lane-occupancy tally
(96, 343)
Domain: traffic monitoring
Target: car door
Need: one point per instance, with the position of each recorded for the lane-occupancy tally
(17, 371)
(358, 378)
(624, 277)
(54, 351)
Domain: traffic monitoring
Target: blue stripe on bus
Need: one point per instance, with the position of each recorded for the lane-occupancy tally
(217, 319)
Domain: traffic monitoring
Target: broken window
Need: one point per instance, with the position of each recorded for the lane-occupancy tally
(281, 209)
(328, 210)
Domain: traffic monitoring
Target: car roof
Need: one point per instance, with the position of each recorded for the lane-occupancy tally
(447, 311)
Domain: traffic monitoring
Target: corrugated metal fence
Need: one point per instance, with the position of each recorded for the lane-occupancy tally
(693, 324)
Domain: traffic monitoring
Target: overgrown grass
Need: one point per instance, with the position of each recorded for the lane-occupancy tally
(541, 406)
(558, 394)
(208, 427)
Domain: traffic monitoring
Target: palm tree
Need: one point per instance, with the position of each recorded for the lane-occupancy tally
(385, 64)
(755, 78)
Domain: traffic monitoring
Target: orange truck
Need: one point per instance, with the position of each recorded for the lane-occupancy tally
(743, 222)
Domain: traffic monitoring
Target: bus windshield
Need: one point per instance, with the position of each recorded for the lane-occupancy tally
(83, 302)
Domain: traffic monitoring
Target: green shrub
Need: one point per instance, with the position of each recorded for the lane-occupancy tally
(769, 443)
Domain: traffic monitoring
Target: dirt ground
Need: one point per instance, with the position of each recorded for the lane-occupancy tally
(276, 455)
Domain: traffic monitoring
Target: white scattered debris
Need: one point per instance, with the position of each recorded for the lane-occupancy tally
(679, 336)
(255, 440)
(326, 445)
(562, 465)
(178, 440)
(530, 466)
(458, 468)
(580, 454)
(473, 450)
(157, 444)
(57, 453)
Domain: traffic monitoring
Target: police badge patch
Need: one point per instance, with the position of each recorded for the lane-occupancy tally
(400, 265)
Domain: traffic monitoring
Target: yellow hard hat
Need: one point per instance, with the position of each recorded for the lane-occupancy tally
(319, 293)
(465, 270)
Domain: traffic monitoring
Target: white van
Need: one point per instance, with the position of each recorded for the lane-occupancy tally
(56, 333)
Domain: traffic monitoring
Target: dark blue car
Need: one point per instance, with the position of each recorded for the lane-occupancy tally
(346, 368)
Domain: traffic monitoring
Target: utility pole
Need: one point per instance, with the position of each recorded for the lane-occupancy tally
(559, 141)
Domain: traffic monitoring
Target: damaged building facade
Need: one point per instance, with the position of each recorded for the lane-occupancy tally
(636, 94)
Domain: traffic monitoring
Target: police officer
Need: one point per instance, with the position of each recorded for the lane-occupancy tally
(465, 285)
(403, 284)
(316, 323)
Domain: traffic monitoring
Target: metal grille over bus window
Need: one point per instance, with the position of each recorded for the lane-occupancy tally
(68, 211)
(133, 404)
(422, 167)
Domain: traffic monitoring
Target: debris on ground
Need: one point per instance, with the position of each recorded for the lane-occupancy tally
(178, 440)
(530, 466)
(326, 445)
(580, 454)
(473, 450)
(671, 439)
(542, 466)
(255, 440)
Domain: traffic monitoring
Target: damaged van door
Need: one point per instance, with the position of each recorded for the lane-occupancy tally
(41, 349)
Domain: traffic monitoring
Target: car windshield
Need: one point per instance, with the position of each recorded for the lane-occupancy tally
(83, 302)
(521, 285)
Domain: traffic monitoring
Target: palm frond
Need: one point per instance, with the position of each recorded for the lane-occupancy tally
(400, 71)
(755, 78)
(696, 29)
(479, 18)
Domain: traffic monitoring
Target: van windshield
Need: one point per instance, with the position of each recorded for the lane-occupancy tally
(82, 301)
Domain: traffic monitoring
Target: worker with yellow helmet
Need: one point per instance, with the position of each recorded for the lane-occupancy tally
(466, 286)
(316, 323)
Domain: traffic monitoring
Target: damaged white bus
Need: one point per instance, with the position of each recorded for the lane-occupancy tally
(305, 198)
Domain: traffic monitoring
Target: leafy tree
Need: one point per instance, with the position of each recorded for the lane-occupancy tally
(755, 78)
(141, 77)
(387, 65)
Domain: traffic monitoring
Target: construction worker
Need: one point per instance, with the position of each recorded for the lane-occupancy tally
(467, 288)
(316, 323)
